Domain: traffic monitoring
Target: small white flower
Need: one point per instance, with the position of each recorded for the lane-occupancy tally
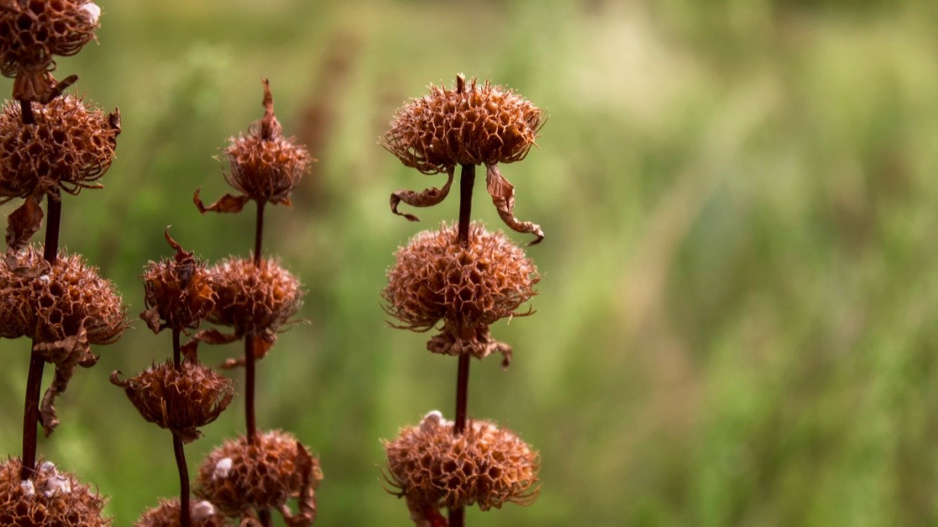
(27, 487)
(431, 421)
(222, 468)
(57, 485)
(90, 12)
(48, 468)
(202, 510)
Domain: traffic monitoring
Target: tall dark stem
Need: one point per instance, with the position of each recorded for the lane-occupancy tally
(26, 112)
(31, 414)
(184, 520)
(250, 373)
(466, 182)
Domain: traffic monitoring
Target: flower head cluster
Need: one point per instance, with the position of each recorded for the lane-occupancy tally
(469, 288)
(181, 399)
(32, 32)
(263, 165)
(242, 476)
(166, 514)
(49, 498)
(486, 465)
(178, 293)
(64, 308)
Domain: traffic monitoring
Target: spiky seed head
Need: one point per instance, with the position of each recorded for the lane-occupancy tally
(485, 465)
(435, 278)
(181, 400)
(201, 514)
(254, 299)
(264, 474)
(468, 124)
(178, 294)
(33, 31)
(69, 148)
(51, 498)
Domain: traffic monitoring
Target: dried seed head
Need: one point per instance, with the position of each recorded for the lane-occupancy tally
(64, 308)
(49, 498)
(202, 514)
(486, 465)
(469, 288)
(254, 300)
(180, 400)
(177, 291)
(69, 148)
(33, 31)
(469, 124)
(240, 476)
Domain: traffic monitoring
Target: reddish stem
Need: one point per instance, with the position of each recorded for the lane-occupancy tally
(26, 112)
(31, 415)
(183, 469)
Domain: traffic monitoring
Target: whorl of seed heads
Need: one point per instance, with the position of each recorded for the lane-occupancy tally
(201, 514)
(469, 124)
(69, 148)
(435, 278)
(178, 294)
(253, 299)
(32, 31)
(486, 465)
(50, 498)
(64, 308)
(180, 400)
(241, 476)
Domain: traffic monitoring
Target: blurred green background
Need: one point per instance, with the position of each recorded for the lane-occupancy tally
(735, 321)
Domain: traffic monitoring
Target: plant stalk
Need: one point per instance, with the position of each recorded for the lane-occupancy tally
(250, 369)
(31, 416)
(184, 519)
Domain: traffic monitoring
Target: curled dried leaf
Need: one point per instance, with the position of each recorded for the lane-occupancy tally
(427, 198)
(22, 223)
(226, 203)
(503, 196)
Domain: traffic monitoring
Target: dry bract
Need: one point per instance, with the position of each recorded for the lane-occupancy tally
(178, 294)
(180, 400)
(486, 465)
(50, 498)
(201, 514)
(64, 309)
(241, 477)
(468, 288)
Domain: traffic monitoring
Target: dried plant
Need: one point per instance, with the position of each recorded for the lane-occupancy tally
(50, 498)
(166, 514)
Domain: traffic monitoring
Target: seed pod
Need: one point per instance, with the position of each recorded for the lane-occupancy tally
(49, 498)
(201, 514)
(177, 291)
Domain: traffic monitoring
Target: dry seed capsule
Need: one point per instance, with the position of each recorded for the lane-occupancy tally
(50, 498)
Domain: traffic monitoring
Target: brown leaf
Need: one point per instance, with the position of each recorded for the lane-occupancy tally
(427, 198)
(152, 318)
(226, 203)
(22, 223)
(503, 196)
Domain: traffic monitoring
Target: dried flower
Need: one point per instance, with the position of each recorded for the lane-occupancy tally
(468, 288)
(468, 125)
(253, 300)
(49, 498)
(201, 514)
(181, 400)
(242, 477)
(64, 308)
(32, 32)
(487, 465)
(178, 293)
(263, 166)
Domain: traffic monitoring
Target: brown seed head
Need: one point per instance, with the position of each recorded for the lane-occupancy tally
(254, 299)
(49, 498)
(240, 476)
(469, 124)
(201, 514)
(180, 400)
(33, 31)
(487, 465)
(178, 294)
(469, 288)
(69, 148)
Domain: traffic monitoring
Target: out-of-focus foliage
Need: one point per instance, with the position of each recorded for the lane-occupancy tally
(736, 320)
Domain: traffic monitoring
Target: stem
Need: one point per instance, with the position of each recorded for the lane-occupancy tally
(259, 232)
(31, 417)
(178, 450)
(26, 111)
(466, 180)
(177, 354)
(250, 373)
(264, 517)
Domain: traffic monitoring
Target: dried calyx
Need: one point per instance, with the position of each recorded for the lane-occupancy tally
(64, 308)
(242, 478)
(49, 497)
(487, 466)
(178, 293)
(32, 32)
(468, 288)
(201, 514)
(263, 165)
(470, 124)
(179, 399)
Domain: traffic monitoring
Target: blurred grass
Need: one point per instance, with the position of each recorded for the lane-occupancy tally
(734, 324)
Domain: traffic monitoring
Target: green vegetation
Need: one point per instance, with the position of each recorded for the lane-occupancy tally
(736, 321)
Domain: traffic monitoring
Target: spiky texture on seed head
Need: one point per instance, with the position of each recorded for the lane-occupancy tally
(69, 148)
(49, 499)
(180, 400)
(166, 514)
(486, 465)
(469, 124)
(178, 294)
(33, 31)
